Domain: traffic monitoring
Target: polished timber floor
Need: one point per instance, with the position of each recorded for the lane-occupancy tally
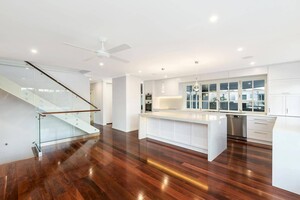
(118, 166)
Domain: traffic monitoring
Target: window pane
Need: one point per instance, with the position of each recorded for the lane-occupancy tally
(212, 96)
(188, 96)
(195, 96)
(247, 85)
(233, 86)
(247, 95)
(223, 105)
(224, 96)
(204, 96)
(212, 105)
(194, 104)
(204, 88)
(223, 86)
(233, 106)
(213, 87)
(247, 106)
(189, 88)
(259, 95)
(234, 96)
(204, 105)
(197, 104)
(259, 106)
(188, 104)
(259, 84)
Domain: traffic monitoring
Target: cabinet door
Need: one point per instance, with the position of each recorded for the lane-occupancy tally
(276, 105)
(292, 105)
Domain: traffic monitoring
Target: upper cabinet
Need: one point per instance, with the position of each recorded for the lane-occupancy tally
(167, 87)
(284, 89)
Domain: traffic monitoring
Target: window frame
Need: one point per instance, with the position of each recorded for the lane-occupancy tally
(240, 101)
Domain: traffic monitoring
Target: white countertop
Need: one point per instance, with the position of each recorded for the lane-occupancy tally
(284, 125)
(212, 112)
(194, 117)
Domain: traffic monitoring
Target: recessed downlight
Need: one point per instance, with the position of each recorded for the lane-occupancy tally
(90, 79)
(166, 76)
(140, 71)
(34, 51)
(101, 63)
(214, 18)
(27, 68)
(240, 49)
(252, 63)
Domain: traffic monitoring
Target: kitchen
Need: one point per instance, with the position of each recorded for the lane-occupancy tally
(261, 105)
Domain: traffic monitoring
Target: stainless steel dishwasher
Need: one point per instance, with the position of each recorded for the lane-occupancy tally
(237, 126)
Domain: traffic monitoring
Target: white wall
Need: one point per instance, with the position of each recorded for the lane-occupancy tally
(18, 128)
(119, 103)
(97, 89)
(103, 100)
(126, 103)
(107, 106)
(133, 102)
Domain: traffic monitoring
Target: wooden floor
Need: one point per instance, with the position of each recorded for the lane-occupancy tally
(118, 166)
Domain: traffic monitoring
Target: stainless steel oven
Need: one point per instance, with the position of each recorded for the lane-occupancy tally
(148, 102)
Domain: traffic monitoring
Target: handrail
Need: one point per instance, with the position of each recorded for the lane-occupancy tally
(35, 67)
(66, 112)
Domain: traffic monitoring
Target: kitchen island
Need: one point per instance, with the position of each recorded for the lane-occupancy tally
(201, 132)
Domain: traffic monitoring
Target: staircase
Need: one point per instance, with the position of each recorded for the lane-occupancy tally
(44, 92)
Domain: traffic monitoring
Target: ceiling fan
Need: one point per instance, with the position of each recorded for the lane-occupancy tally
(104, 53)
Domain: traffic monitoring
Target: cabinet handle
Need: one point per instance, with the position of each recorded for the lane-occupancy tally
(287, 111)
(260, 123)
(258, 132)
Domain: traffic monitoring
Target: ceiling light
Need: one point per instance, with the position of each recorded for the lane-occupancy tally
(252, 63)
(166, 76)
(101, 63)
(214, 18)
(90, 79)
(140, 71)
(34, 51)
(27, 68)
(240, 49)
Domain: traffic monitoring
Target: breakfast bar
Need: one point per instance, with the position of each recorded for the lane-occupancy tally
(201, 132)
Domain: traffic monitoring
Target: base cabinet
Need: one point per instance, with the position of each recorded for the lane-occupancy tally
(259, 129)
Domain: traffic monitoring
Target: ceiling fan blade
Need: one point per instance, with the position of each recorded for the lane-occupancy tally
(90, 58)
(119, 48)
(72, 45)
(118, 59)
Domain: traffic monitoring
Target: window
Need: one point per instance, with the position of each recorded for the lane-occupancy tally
(253, 95)
(245, 94)
(229, 95)
(192, 98)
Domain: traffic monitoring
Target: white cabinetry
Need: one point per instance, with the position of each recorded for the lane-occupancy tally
(259, 129)
(167, 87)
(292, 104)
(276, 105)
(284, 105)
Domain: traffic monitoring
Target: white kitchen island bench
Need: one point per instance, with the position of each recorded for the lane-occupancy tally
(201, 132)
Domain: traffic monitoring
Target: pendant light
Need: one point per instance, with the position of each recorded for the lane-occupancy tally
(196, 86)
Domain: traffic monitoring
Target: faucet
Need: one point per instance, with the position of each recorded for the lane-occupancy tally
(218, 104)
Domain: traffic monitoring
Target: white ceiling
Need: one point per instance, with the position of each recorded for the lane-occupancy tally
(169, 33)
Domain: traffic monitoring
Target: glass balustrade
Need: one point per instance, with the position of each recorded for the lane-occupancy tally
(47, 94)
